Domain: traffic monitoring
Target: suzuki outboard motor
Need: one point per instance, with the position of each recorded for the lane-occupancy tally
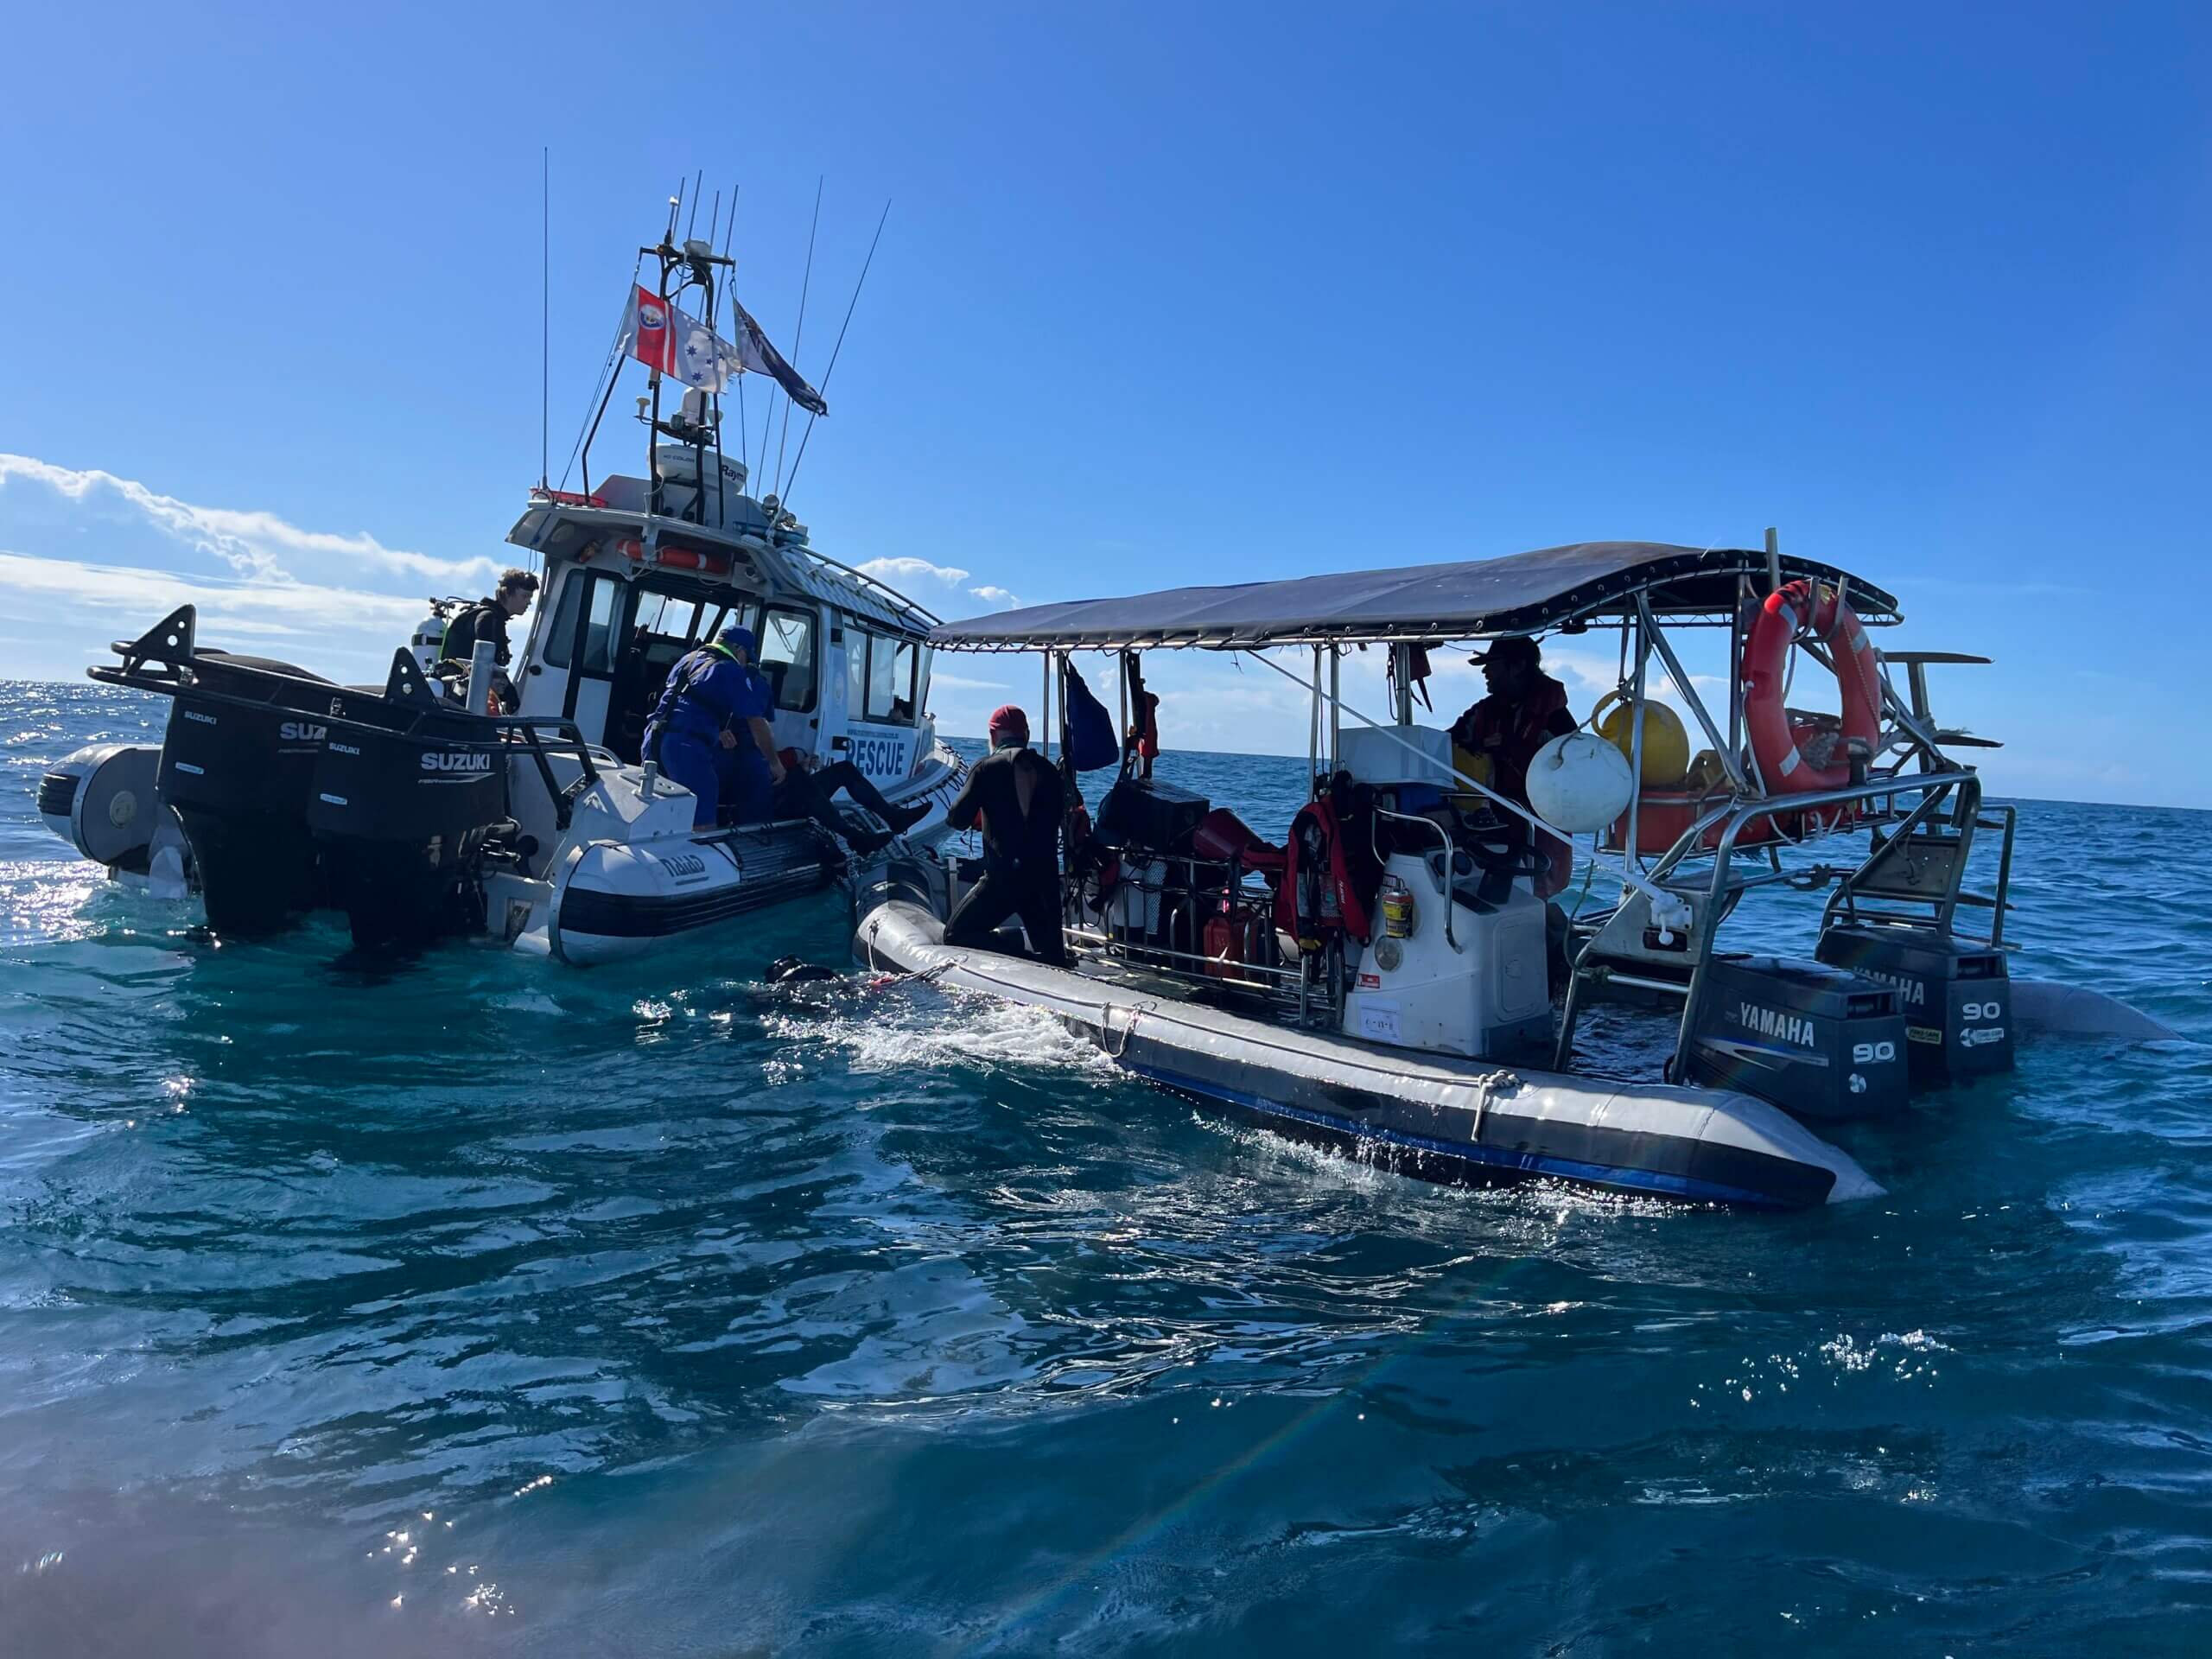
(404, 798)
(236, 765)
(101, 801)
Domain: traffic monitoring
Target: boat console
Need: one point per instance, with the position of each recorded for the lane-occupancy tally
(1395, 912)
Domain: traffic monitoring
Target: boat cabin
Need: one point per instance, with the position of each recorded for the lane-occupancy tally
(640, 570)
(627, 591)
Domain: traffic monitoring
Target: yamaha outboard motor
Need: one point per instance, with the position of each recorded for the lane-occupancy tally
(1815, 1040)
(405, 796)
(1956, 995)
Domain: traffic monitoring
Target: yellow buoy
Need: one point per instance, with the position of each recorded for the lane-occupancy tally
(1666, 743)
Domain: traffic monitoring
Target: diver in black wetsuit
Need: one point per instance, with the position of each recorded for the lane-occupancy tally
(487, 618)
(1017, 797)
(807, 790)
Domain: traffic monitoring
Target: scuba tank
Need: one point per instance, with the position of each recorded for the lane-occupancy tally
(427, 643)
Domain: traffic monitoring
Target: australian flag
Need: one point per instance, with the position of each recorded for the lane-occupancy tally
(755, 353)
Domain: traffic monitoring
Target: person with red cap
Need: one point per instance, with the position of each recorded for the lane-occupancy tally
(1016, 797)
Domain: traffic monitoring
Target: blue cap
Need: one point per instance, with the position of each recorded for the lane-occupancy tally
(738, 637)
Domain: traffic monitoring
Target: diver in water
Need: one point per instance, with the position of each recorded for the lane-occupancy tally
(709, 731)
(1016, 797)
(487, 618)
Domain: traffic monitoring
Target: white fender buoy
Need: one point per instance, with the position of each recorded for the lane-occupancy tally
(1580, 782)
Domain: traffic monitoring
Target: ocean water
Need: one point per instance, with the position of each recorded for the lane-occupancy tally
(481, 1306)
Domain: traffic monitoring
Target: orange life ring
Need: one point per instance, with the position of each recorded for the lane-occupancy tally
(672, 557)
(1827, 615)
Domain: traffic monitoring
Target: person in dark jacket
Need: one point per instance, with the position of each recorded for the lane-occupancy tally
(487, 618)
(1015, 796)
(709, 731)
(1525, 710)
(808, 789)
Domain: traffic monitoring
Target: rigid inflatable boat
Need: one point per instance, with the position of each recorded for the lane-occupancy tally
(1440, 1117)
(429, 807)
(1392, 977)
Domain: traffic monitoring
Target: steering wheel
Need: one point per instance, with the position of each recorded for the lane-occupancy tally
(1500, 852)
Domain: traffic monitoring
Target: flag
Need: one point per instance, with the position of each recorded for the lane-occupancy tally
(645, 327)
(665, 336)
(755, 353)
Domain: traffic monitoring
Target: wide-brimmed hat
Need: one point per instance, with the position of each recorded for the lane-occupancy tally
(1514, 647)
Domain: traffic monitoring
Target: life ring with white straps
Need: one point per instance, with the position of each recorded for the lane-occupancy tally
(1777, 743)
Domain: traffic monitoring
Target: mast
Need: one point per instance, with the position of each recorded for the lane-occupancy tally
(691, 264)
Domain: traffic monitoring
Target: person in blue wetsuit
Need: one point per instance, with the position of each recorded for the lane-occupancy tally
(709, 731)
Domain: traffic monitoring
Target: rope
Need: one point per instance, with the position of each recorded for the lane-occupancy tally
(1106, 1028)
(1482, 1086)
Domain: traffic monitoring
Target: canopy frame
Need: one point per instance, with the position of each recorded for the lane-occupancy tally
(1566, 588)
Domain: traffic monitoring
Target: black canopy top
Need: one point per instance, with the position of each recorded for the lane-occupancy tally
(1526, 593)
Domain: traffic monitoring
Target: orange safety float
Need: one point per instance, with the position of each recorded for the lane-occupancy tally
(672, 557)
(1778, 744)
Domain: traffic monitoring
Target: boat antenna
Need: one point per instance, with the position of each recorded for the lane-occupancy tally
(798, 335)
(602, 390)
(839, 345)
(675, 207)
(713, 222)
(729, 284)
(544, 315)
(692, 223)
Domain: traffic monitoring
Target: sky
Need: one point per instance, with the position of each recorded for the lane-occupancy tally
(1166, 294)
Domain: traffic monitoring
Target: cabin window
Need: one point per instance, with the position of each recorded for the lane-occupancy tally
(560, 629)
(718, 614)
(599, 627)
(891, 680)
(787, 656)
(666, 616)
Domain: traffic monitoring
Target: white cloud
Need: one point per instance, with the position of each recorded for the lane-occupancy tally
(252, 542)
(258, 582)
(907, 569)
(83, 606)
(277, 606)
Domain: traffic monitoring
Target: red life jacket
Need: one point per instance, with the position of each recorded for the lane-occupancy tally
(1317, 879)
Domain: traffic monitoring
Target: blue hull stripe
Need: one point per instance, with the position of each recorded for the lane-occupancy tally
(1682, 1187)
